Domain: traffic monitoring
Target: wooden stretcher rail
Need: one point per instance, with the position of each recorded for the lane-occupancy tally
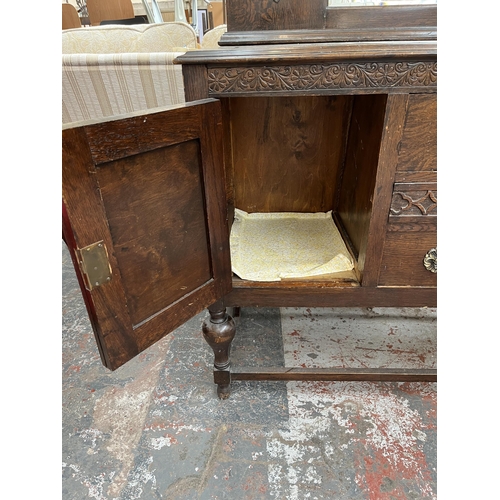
(335, 374)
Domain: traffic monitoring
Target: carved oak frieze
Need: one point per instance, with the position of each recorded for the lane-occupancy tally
(412, 203)
(370, 75)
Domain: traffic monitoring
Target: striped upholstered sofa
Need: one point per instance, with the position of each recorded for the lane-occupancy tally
(116, 69)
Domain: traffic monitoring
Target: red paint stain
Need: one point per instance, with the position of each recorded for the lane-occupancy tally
(170, 438)
(383, 481)
(382, 473)
(255, 483)
(228, 445)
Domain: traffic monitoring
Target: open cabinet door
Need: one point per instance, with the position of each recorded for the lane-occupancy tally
(145, 219)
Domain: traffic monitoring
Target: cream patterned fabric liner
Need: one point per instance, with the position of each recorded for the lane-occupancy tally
(113, 39)
(273, 246)
(97, 86)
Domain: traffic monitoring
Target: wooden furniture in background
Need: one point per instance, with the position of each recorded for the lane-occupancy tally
(106, 10)
(217, 10)
(70, 17)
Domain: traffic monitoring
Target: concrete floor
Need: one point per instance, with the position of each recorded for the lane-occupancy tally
(154, 428)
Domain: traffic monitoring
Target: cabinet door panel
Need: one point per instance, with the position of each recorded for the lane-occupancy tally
(149, 189)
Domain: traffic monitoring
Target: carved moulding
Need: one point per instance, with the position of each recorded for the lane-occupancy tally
(414, 203)
(370, 75)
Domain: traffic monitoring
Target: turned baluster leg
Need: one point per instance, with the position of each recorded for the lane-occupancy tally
(219, 331)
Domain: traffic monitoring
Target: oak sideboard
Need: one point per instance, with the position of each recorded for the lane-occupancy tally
(304, 108)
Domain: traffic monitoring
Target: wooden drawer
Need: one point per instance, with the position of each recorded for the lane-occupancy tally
(411, 232)
(403, 256)
(417, 150)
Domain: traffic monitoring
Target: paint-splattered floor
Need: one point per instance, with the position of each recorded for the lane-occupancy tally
(154, 428)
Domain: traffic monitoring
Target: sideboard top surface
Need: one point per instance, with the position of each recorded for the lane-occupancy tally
(335, 51)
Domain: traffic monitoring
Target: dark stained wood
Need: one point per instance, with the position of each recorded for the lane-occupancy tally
(249, 15)
(296, 21)
(287, 152)
(195, 82)
(402, 260)
(228, 158)
(415, 176)
(356, 191)
(382, 194)
(158, 204)
(69, 240)
(387, 17)
(252, 294)
(318, 52)
(318, 69)
(242, 38)
(212, 151)
(340, 278)
(338, 124)
(334, 280)
(219, 331)
(418, 148)
(334, 374)
(349, 244)
(156, 214)
(86, 220)
(413, 224)
(416, 201)
(111, 140)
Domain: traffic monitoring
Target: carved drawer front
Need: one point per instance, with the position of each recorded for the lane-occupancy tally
(409, 259)
(418, 147)
(413, 206)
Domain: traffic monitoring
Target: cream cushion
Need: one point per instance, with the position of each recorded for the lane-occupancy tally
(100, 85)
(116, 69)
(211, 38)
(115, 39)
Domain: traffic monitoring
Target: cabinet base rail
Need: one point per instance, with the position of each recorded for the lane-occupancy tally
(326, 374)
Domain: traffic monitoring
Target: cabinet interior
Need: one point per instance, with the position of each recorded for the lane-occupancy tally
(307, 154)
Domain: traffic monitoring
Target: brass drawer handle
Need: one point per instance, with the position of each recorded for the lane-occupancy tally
(431, 260)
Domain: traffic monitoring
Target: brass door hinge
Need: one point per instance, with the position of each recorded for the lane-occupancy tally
(94, 264)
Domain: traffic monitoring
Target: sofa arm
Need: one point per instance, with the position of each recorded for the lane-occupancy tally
(96, 86)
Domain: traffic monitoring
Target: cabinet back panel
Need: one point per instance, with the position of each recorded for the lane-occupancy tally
(287, 152)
